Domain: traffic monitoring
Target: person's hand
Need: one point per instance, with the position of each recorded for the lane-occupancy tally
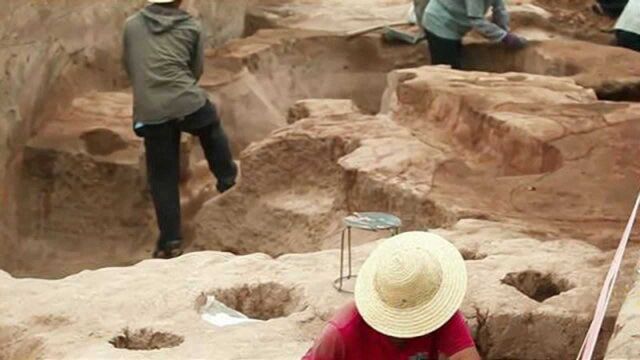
(514, 41)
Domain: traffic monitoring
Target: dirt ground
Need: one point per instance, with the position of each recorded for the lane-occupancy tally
(579, 19)
(526, 161)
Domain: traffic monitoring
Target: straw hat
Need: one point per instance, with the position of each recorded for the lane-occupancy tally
(160, 1)
(411, 285)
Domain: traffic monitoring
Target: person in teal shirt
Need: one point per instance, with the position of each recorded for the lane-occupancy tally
(628, 26)
(446, 22)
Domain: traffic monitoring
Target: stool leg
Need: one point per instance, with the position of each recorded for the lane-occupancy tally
(349, 240)
(341, 258)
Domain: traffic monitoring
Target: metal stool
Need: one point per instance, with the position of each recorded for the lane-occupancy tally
(368, 221)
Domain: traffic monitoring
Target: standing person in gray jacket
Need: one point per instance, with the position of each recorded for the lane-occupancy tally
(164, 56)
(447, 21)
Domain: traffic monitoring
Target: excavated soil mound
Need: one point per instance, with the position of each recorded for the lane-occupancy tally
(455, 145)
(578, 19)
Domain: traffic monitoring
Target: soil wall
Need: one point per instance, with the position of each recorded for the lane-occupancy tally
(53, 51)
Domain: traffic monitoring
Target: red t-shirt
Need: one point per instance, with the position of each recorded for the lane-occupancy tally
(348, 337)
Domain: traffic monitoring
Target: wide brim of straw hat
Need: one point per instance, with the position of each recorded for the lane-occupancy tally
(427, 316)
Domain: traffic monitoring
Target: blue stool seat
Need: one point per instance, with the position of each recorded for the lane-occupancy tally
(367, 221)
(373, 221)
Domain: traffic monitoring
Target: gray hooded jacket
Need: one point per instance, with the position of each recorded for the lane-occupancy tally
(163, 56)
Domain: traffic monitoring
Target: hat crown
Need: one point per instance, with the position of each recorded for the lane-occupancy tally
(407, 278)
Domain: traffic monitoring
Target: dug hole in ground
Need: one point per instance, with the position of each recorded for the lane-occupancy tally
(526, 162)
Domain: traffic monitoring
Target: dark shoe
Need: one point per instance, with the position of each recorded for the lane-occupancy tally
(167, 254)
(169, 251)
(226, 184)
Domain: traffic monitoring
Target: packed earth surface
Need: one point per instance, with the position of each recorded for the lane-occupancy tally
(526, 161)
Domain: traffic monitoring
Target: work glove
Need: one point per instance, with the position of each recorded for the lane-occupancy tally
(514, 41)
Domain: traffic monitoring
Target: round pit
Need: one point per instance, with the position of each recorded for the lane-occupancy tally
(264, 301)
(145, 340)
(536, 285)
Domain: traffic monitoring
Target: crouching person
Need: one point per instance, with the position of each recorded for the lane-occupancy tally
(407, 299)
(447, 21)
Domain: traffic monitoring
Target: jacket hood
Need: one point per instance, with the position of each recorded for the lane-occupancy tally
(160, 19)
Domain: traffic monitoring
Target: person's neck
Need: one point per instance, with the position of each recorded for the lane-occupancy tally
(398, 342)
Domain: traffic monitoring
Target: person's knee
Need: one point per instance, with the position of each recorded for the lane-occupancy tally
(202, 132)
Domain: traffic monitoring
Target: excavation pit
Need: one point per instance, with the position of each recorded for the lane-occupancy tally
(255, 82)
(103, 142)
(536, 285)
(300, 181)
(611, 72)
(472, 255)
(145, 340)
(256, 86)
(84, 173)
(263, 301)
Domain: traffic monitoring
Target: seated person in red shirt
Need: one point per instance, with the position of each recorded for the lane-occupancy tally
(407, 301)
